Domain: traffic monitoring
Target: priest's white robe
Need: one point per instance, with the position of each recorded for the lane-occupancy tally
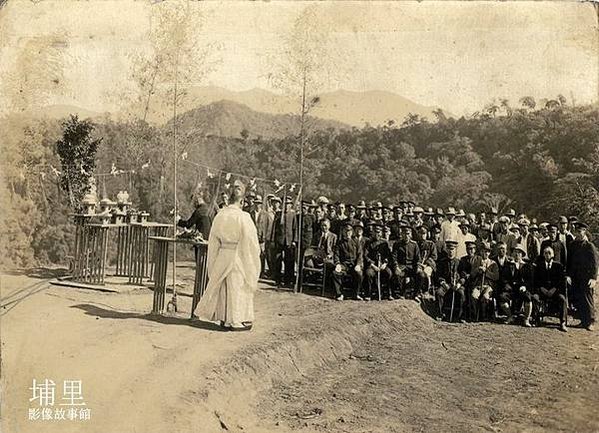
(233, 269)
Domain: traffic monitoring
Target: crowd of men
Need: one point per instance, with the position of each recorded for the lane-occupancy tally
(477, 266)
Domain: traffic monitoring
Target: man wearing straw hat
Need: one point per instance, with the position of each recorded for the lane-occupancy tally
(233, 266)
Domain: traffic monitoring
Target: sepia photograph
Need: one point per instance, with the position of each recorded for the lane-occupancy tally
(299, 216)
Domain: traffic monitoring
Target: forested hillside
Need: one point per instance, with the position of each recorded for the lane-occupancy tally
(540, 159)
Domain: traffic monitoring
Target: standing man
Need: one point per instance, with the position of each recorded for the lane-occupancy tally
(305, 238)
(348, 260)
(284, 237)
(233, 266)
(200, 218)
(264, 222)
(558, 247)
(450, 228)
(583, 270)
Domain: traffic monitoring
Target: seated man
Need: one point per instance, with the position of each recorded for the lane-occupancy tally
(484, 276)
(449, 288)
(407, 256)
(504, 288)
(521, 283)
(550, 286)
(428, 260)
(465, 268)
(323, 254)
(378, 262)
(348, 261)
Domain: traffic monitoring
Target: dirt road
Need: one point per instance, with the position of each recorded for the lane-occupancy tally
(310, 364)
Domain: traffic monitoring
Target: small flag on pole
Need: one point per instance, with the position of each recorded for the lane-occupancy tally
(228, 176)
(55, 171)
(113, 170)
(184, 156)
(209, 173)
(146, 165)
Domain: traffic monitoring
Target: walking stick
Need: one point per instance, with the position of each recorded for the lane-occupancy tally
(453, 287)
(378, 275)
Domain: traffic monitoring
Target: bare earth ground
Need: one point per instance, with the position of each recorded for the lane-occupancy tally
(310, 365)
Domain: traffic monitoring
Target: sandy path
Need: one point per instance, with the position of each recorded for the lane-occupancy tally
(142, 374)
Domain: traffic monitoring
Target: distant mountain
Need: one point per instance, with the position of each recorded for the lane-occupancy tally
(229, 119)
(352, 108)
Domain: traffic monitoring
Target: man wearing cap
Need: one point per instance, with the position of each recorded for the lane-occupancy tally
(583, 271)
(504, 234)
(406, 255)
(564, 234)
(558, 247)
(428, 260)
(307, 233)
(395, 223)
(494, 222)
(450, 228)
(378, 262)
(521, 283)
(484, 277)
(550, 285)
(264, 222)
(503, 288)
(466, 236)
(285, 242)
(417, 219)
(348, 260)
(529, 241)
(465, 267)
(449, 287)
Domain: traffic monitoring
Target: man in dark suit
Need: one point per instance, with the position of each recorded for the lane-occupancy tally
(558, 247)
(428, 259)
(304, 239)
(406, 255)
(348, 260)
(284, 238)
(449, 287)
(378, 260)
(583, 269)
(200, 218)
(503, 288)
(550, 285)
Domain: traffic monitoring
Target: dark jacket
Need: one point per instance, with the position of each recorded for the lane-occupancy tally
(506, 275)
(374, 248)
(199, 219)
(447, 271)
(559, 250)
(406, 255)
(550, 278)
(428, 253)
(583, 260)
(348, 253)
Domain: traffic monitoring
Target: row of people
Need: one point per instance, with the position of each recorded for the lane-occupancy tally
(402, 250)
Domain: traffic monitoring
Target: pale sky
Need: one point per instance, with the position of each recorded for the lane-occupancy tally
(456, 55)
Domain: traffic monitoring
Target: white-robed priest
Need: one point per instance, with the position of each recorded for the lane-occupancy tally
(233, 266)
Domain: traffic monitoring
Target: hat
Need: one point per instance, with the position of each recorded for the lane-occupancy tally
(520, 247)
(461, 213)
(451, 243)
(361, 205)
(533, 227)
(350, 207)
(377, 205)
(504, 219)
(275, 198)
(347, 223)
(573, 218)
(418, 209)
(551, 225)
(523, 222)
(464, 223)
(358, 223)
(485, 246)
(511, 213)
(440, 211)
(411, 203)
(429, 211)
(581, 225)
(563, 219)
(470, 242)
(514, 227)
(322, 200)
(450, 211)
(494, 211)
(258, 199)
(288, 200)
(543, 225)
